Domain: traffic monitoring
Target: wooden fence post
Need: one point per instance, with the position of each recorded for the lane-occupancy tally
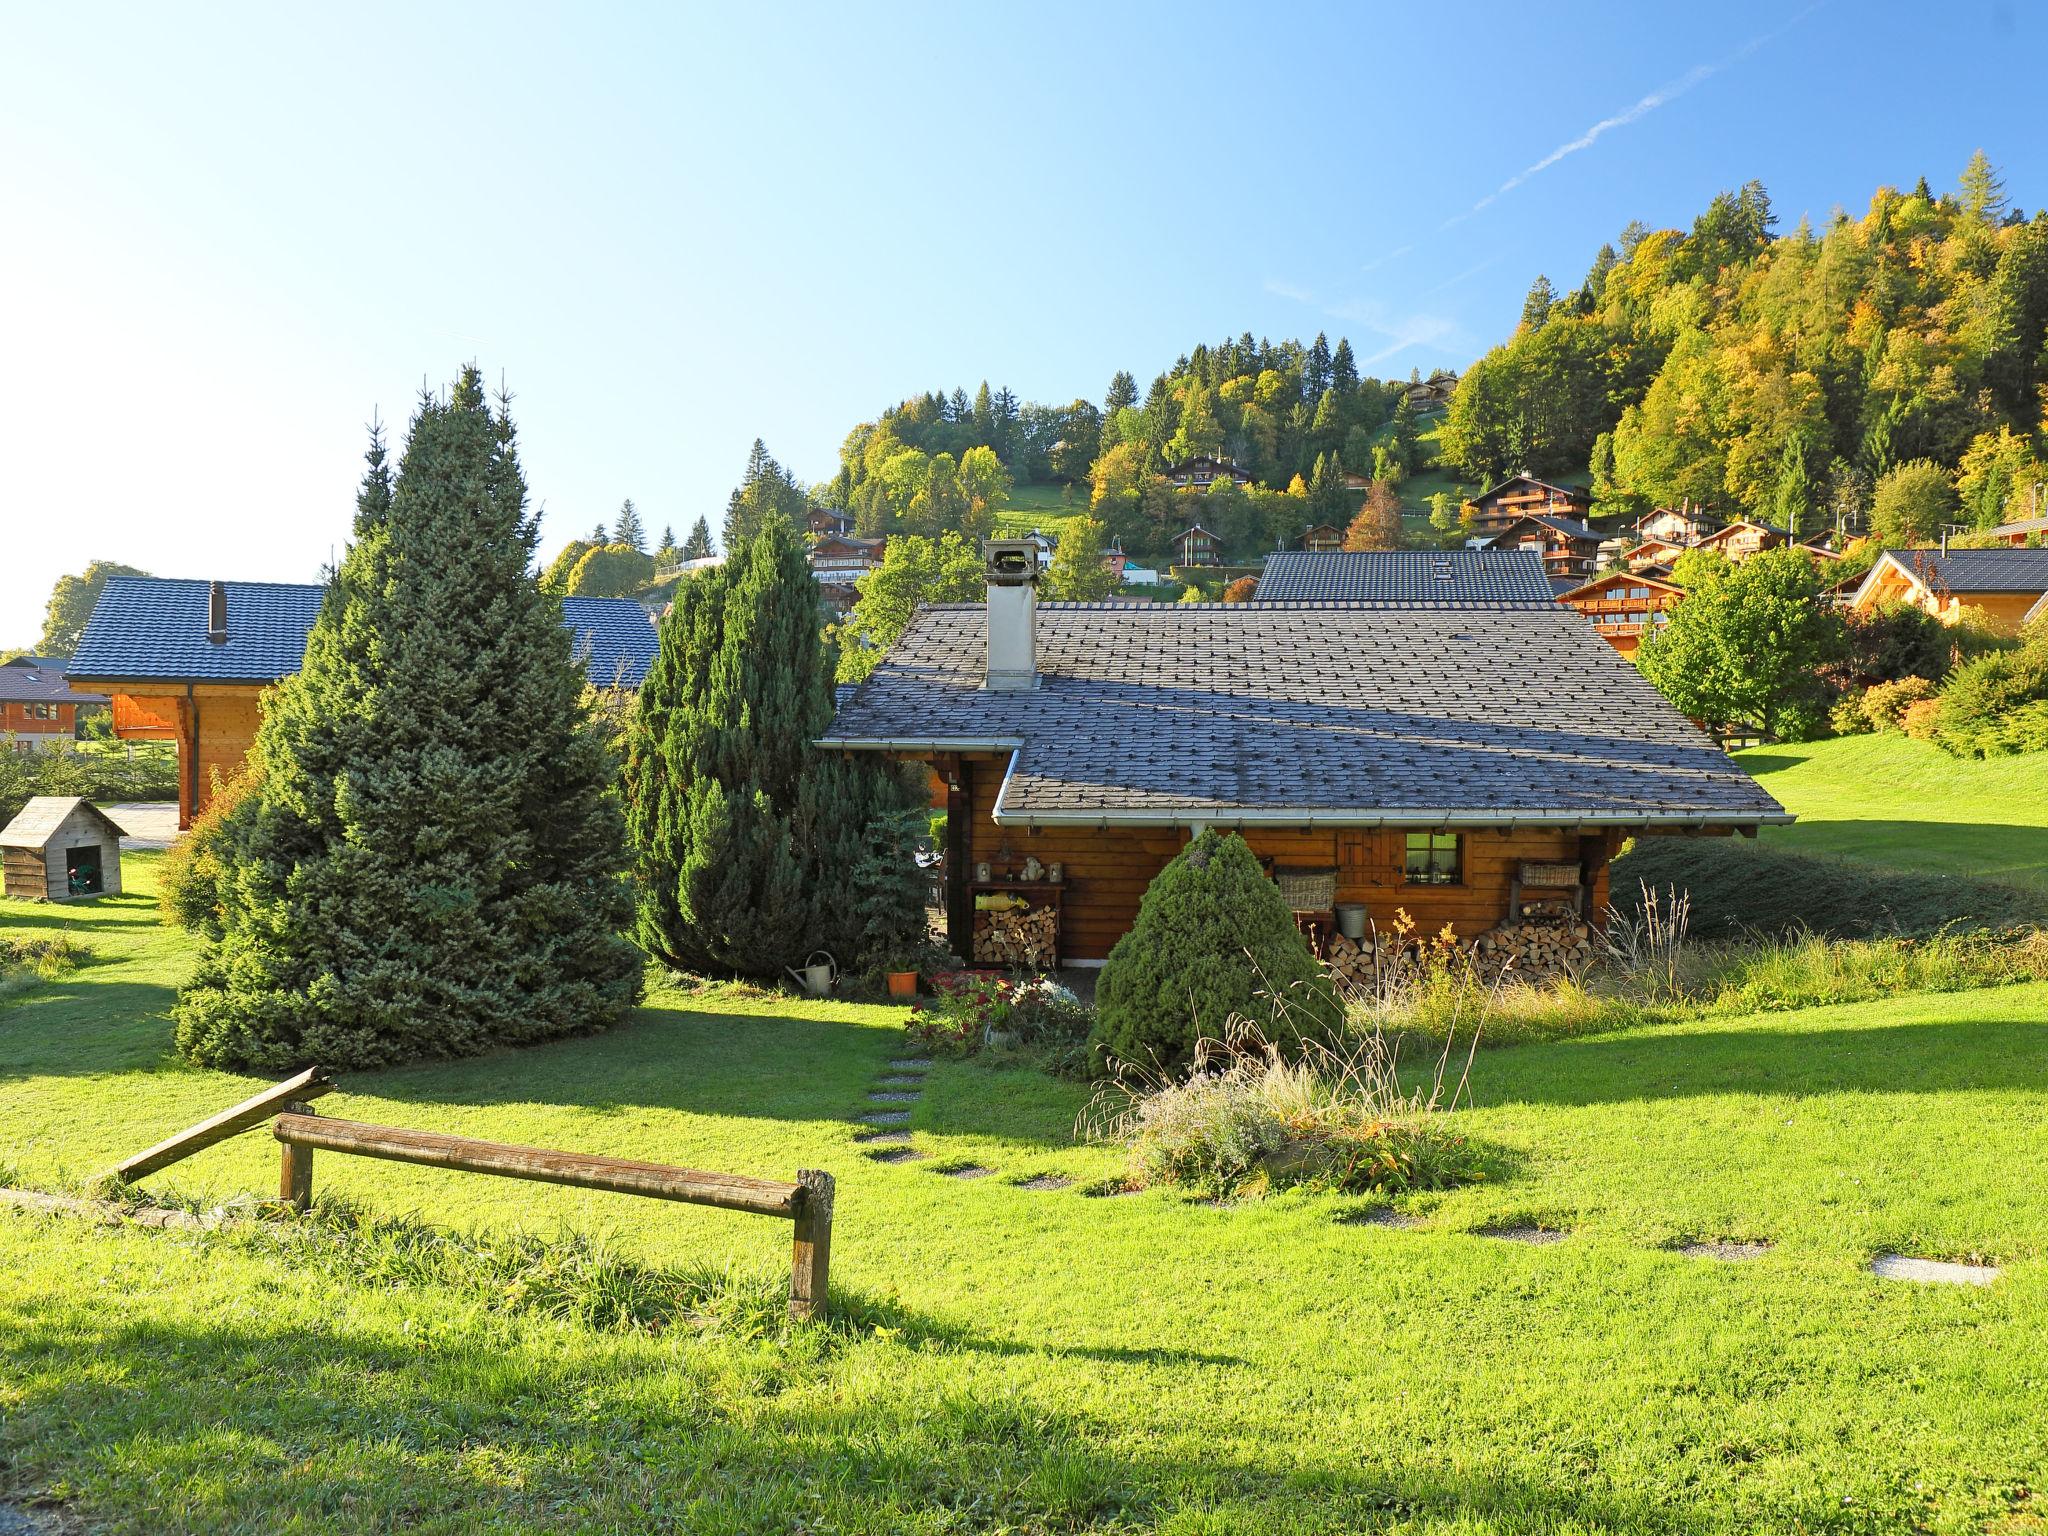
(295, 1170)
(811, 1255)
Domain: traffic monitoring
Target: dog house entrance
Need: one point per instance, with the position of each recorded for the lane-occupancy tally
(82, 873)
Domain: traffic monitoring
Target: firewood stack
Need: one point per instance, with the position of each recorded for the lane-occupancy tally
(1026, 937)
(1355, 961)
(1546, 945)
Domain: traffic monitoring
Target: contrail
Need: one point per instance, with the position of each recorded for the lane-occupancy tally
(1650, 103)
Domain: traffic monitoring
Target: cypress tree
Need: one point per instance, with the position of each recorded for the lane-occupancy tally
(431, 860)
(754, 847)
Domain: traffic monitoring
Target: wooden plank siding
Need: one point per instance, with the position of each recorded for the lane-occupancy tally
(1108, 869)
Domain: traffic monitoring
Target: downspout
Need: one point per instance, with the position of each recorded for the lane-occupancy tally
(190, 808)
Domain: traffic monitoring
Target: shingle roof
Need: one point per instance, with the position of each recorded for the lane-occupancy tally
(153, 629)
(1354, 713)
(38, 821)
(40, 680)
(1978, 570)
(2024, 525)
(1570, 527)
(1577, 492)
(1404, 576)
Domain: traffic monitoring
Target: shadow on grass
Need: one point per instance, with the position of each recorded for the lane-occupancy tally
(1925, 1057)
(238, 1425)
(80, 1025)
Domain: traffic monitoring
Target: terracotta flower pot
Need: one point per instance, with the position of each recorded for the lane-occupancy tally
(903, 983)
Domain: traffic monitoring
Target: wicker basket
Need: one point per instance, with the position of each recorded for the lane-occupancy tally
(1307, 890)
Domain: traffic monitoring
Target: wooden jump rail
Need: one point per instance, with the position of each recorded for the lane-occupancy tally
(806, 1203)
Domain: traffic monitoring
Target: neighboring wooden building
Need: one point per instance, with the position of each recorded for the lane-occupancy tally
(1323, 539)
(1423, 753)
(1683, 525)
(1566, 546)
(1624, 606)
(60, 848)
(1500, 505)
(2004, 584)
(1741, 539)
(189, 661)
(1433, 393)
(2026, 532)
(1202, 471)
(38, 706)
(1653, 555)
(1433, 576)
(823, 522)
(1197, 546)
(842, 557)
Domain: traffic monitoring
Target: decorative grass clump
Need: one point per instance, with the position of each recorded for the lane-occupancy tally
(1251, 1118)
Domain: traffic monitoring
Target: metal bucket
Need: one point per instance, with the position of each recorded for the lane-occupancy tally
(1351, 919)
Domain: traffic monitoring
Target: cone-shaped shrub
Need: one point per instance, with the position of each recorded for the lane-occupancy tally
(755, 847)
(1213, 938)
(432, 860)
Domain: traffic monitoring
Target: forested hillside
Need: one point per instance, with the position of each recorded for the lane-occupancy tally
(1886, 370)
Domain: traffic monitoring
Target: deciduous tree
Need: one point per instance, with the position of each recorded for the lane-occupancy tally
(71, 604)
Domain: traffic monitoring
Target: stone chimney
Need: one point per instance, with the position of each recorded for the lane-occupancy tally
(1012, 569)
(217, 613)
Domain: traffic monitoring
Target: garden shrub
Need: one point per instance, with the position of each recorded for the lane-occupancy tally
(975, 1011)
(1847, 717)
(1213, 940)
(1997, 704)
(1740, 888)
(1919, 718)
(1884, 704)
(191, 872)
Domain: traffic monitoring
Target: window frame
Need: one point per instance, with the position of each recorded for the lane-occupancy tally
(1435, 871)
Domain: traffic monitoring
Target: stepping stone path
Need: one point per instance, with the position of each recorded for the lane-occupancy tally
(899, 1082)
(1729, 1253)
(1537, 1236)
(884, 1139)
(911, 1064)
(972, 1171)
(899, 1155)
(887, 1117)
(1045, 1181)
(1109, 1192)
(1896, 1266)
(885, 1096)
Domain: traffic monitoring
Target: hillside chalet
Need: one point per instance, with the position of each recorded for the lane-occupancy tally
(1322, 539)
(1624, 606)
(2026, 531)
(1743, 538)
(1566, 546)
(1492, 576)
(1410, 754)
(2008, 586)
(188, 661)
(1197, 546)
(1203, 471)
(38, 706)
(1504, 503)
(1683, 525)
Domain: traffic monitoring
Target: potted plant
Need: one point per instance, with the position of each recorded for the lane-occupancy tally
(900, 967)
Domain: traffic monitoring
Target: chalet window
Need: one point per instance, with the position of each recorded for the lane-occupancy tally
(1433, 858)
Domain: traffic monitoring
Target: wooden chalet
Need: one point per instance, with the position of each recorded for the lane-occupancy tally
(38, 706)
(841, 556)
(1406, 757)
(60, 848)
(1743, 538)
(1653, 555)
(823, 522)
(1566, 546)
(2025, 533)
(1433, 393)
(1492, 577)
(1683, 525)
(1323, 539)
(1202, 471)
(190, 661)
(1624, 606)
(2006, 585)
(1499, 506)
(1196, 545)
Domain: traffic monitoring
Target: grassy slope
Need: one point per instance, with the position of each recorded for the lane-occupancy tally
(1052, 1362)
(1890, 800)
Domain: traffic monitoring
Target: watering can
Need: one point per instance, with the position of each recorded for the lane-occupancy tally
(816, 978)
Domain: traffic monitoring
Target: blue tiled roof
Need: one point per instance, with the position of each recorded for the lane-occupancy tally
(1403, 576)
(150, 629)
(614, 638)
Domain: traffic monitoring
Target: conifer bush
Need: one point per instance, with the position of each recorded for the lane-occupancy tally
(754, 846)
(1214, 940)
(432, 859)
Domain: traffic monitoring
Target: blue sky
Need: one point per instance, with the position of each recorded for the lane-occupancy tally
(232, 234)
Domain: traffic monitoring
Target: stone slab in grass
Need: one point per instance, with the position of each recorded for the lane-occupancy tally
(887, 1117)
(899, 1155)
(1726, 1252)
(1897, 1266)
(899, 1082)
(911, 1064)
(1536, 1236)
(883, 1138)
(971, 1171)
(1386, 1216)
(1045, 1181)
(1108, 1191)
(891, 1097)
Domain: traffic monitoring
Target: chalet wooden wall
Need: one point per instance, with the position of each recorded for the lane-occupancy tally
(1107, 869)
(227, 717)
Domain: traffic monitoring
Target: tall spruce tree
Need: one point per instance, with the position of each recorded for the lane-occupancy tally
(629, 529)
(755, 847)
(697, 546)
(431, 861)
(667, 552)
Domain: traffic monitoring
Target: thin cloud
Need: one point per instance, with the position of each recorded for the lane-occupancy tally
(1471, 271)
(1380, 261)
(1663, 95)
(1289, 291)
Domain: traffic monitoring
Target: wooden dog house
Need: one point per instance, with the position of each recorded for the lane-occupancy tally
(60, 848)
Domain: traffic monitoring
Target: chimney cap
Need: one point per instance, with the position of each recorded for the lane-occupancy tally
(1010, 562)
(217, 612)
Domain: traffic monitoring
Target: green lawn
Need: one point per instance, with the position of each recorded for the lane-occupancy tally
(1890, 800)
(1037, 1362)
